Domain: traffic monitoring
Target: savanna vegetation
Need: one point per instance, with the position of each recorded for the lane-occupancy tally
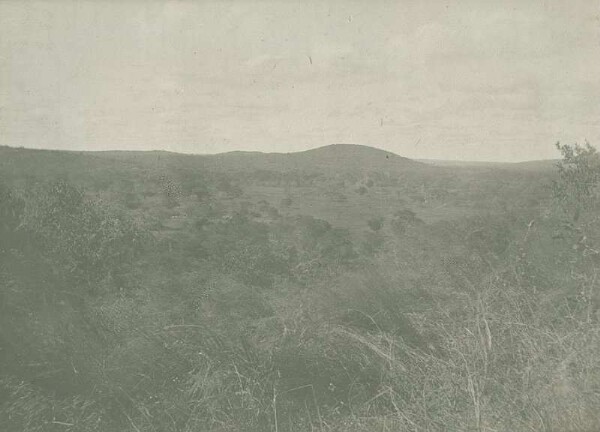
(343, 290)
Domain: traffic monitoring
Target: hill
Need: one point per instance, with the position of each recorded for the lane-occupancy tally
(328, 160)
(331, 158)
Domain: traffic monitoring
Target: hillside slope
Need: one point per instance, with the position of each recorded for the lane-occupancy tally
(335, 157)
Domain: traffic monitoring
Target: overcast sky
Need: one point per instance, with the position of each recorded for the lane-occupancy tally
(471, 80)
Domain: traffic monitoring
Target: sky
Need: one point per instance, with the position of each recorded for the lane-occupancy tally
(468, 80)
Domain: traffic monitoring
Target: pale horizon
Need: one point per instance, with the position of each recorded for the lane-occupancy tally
(425, 80)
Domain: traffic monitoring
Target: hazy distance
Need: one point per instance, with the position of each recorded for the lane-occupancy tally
(496, 81)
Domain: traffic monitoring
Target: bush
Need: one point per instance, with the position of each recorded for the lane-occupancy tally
(577, 188)
(375, 223)
(404, 219)
(85, 241)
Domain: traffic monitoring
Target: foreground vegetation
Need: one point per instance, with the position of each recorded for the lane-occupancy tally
(147, 295)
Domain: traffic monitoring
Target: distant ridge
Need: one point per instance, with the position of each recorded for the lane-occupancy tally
(334, 157)
(331, 160)
(543, 164)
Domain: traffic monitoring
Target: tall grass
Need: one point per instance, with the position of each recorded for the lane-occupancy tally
(487, 325)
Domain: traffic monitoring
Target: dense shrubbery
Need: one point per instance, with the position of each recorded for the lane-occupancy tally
(83, 240)
(192, 316)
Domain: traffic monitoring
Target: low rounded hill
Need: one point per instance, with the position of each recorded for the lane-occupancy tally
(335, 157)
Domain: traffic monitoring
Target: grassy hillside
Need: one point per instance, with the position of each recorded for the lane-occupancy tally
(339, 289)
